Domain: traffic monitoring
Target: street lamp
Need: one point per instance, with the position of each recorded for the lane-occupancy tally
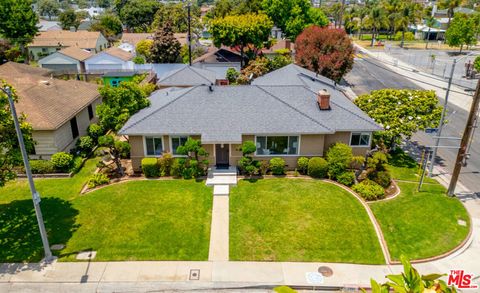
(442, 118)
(35, 194)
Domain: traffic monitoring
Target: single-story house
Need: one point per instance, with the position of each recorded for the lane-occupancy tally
(219, 60)
(283, 120)
(186, 76)
(58, 110)
(46, 25)
(129, 41)
(112, 59)
(68, 60)
(49, 42)
(114, 79)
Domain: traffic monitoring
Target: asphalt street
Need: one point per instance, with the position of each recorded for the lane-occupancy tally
(369, 74)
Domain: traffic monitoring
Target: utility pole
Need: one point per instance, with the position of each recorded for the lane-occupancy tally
(35, 194)
(462, 151)
(442, 118)
(189, 39)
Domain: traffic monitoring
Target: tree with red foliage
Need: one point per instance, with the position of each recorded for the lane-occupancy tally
(326, 51)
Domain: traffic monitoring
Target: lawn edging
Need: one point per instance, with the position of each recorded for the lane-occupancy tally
(376, 225)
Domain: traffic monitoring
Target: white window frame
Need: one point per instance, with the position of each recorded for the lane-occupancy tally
(288, 143)
(145, 146)
(171, 145)
(361, 133)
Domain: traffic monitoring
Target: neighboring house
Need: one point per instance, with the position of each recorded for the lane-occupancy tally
(112, 59)
(129, 41)
(92, 11)
(280, 44)
(68, 60)
(186, 76)
(285, 119)
(85, 25)
(49, 42)
(218, 60)
(113, 79)
(58, 110)
(45, 25)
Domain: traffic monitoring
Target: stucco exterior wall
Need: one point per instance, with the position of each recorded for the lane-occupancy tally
(136, 151)
(344, 137)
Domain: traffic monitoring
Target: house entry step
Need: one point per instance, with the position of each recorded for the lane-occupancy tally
(221, 189)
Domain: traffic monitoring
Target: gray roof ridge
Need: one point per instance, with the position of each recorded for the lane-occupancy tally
(338, 105)
(196, 72)
(296, 67)
(295, 109)
(160, 108)
(173, 72)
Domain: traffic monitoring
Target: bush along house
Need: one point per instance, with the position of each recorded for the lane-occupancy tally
(287, 113)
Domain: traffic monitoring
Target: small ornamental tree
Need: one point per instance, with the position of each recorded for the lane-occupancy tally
(247, 30)
(461, 31)
(328, 52)
(339, 158)
(117, 149)
(400, 113)
(194, 151)
(165, 47)
(247, 164)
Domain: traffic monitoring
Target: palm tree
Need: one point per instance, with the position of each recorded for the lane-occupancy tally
(450, 5)
(409, 14)
(391, 8)
(429, 21)
(376, 20)
(362, 13)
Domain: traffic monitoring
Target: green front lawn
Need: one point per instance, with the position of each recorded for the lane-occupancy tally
(419, 224)
(137, 220)
(299, 220)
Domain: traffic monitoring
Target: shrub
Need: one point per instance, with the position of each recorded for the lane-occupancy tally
(382, 178)
(85, 145)
(317, 167)
(347, 178)
(97, 179)
(150, 167)
(95, 131)
(165, 164)
(77, 164)
(476, 64)
(369, 190)
(339, 157)
(248, 147)
(263, 167)
(377, 161)
(62, 161)
(277, 165)
(42, 167)
(248, 166)
(357, 162)
(176, 170)
(302, 164)
(232, 74)
(409, 36)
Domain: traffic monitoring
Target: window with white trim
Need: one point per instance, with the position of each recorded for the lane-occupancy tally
(154, 146)
(277, 145)
(360, 139)
(178, 141)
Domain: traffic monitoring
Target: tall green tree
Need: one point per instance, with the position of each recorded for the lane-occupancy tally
(18, 22)
(103, 3)
(69, 18)
(461, 31)
(409, 14)
(241, 30)
(10, 155)
(376, 20)
(292, 16)
(165, 47)
(109, 25)
(450, 5)
(138, 15)
(48, 7)
(176, 14)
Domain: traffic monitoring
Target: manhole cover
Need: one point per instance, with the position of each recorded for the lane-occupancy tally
(325, 271)
(194, 274)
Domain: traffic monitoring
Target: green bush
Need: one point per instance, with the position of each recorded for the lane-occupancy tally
(62, 161)
(77, 164)
(302, 164)
(277, 165)
(263, 167)
(317, 167)
(42, 167)
(150, 167)
(476, 64)
(165, 164)
(382, 178)
(339, 158)
(97, 179)
(377, 161)
(232, 74)
(347, 178)
(178, 164)
(85, 145)
(248, 147)
(95, 131)
(369, 190)
(409, 36)
(248, 166)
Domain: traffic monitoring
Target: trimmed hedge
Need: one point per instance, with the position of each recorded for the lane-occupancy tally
(317, 167)
(382, 178)
(62, 161)
(150, 167)
(369, 190)
(302, 164)
(277, 166)
(42, 167)
(346, 178)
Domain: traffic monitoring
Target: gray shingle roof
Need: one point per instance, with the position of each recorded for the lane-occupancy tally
(187, 76)
(227, 112)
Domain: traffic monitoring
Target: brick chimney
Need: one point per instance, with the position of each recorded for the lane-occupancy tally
(323, 99)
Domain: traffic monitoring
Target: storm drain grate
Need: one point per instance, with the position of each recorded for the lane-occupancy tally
(194, 275)
(325, 271)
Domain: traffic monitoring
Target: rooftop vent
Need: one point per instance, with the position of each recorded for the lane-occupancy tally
(210, 87)
(44, 82)
(323, 99)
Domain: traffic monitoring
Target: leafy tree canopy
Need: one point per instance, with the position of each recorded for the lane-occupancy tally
(10, 155)
(400, 112)
(69, 18)
(137, 15)
(328, 52)
(48, 7)
(223, 8)
(109, 25)
(241, 30)
(165, 47)
(461, 31)
(18, 21)
(177, 15)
